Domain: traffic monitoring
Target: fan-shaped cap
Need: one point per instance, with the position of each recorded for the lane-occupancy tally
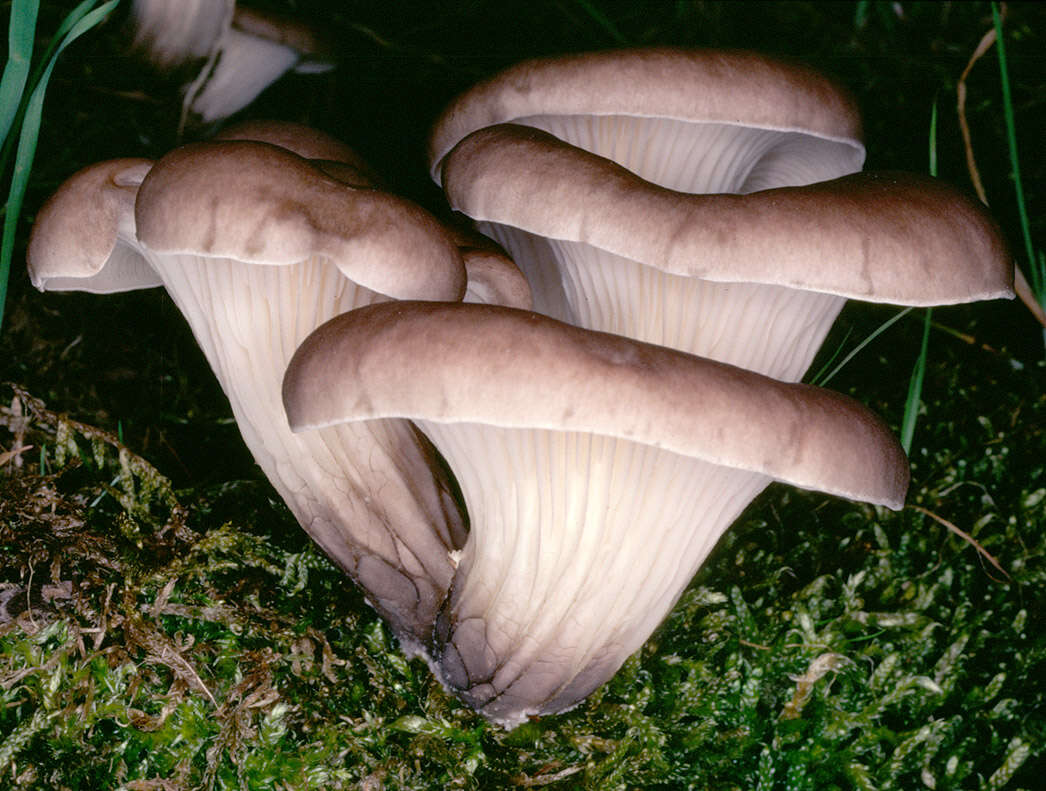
(881, 237)
(485, 364)
(705, 86)
(258, 203)
(83, 237)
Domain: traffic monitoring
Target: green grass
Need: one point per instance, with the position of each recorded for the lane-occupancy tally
(167, 625)
(1035, 263)
(22, 101)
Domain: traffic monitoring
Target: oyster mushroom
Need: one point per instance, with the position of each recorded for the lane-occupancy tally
(689, 120)
(755, 279)
(598, 472)
(257, 247)
(588, 170)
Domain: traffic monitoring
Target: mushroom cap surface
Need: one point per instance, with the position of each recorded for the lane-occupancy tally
(284, 210)
(493, 277)
(881, 237)
(463, 363)
(307, 40)
(702, 86)
(83, 238)
(306, 142)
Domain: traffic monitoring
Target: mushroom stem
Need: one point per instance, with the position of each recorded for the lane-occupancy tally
(560, 584)
(392, 533)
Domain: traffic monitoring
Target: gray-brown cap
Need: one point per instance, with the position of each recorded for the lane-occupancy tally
(493, 277)
(598, 472)
(892, 237)
(258, 203)
(307, 142)
(83, 238)
(692, 87)
(458, 363)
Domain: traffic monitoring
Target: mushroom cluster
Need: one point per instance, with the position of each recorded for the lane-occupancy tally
(259, 238)
(690, 224)
(686, 225)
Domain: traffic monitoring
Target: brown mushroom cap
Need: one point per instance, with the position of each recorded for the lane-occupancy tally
(84, 237)
(460, 363)
(308, 41)
(306, 142)
(283, 210)
(695, 86)
(881, 237)
(493, 277)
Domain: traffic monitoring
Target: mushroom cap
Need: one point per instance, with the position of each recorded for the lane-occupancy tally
(493, 277)
(172, 34)
(702, 86)
(466, 363)
(308, 41)
(882, 237)
(83, 237)
(307, 142)
(259, 203)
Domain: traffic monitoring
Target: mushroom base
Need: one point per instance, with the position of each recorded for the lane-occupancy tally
(580, 545)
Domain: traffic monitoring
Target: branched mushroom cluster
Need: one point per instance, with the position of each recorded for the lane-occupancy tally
(688, 223)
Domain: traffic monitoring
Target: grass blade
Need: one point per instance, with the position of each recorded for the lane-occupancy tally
(78, 22)
(915, 388)
(21, 32)
(1037, 279)
(822, 378)
(915, 384)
